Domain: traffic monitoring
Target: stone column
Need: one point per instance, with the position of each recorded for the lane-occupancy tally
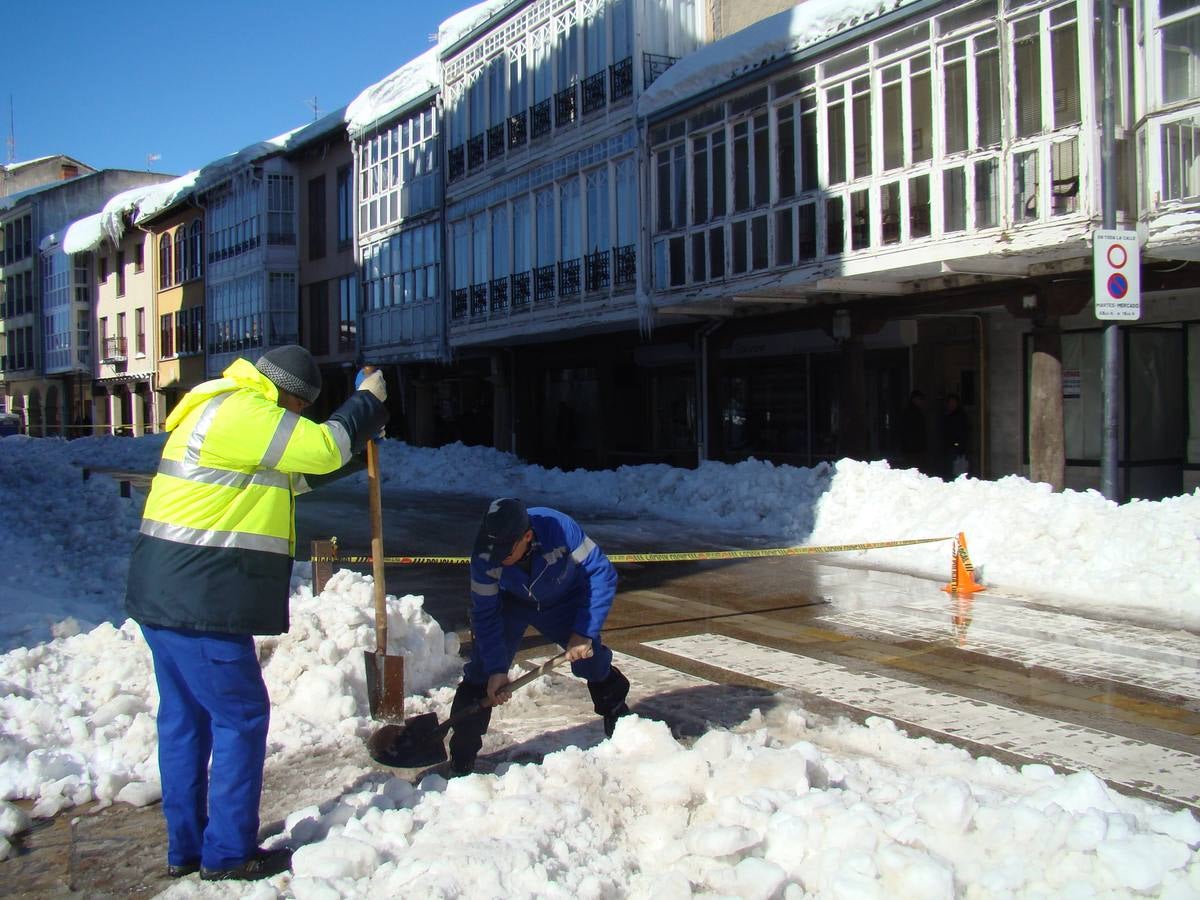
(115, 418)
(137, 410)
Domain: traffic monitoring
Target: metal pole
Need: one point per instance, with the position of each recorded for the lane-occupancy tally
(1111, 388)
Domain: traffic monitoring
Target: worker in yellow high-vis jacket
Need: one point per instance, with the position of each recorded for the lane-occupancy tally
(210, 568)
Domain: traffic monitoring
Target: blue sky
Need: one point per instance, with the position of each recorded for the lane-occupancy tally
(110, 84)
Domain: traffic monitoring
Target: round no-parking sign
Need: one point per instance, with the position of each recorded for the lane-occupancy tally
(1117, 261)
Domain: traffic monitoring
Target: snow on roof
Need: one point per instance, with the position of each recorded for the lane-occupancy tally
(12, 167)
(757, 45)
(413, 79)
(463, 23)
(315, 131)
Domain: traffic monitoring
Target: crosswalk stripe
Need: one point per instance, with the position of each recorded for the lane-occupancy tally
(1159, 771)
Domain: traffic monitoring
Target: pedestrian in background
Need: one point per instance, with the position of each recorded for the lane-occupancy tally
(955, 433)
(210, 568)
(534, 567)
(914, 435)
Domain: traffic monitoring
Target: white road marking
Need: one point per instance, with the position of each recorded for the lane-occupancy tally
(1161, 771)
(1072, 645)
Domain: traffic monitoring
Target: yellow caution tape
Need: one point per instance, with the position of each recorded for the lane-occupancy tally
(651, 557)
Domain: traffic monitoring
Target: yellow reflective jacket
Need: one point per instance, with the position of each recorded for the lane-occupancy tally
(217, 538)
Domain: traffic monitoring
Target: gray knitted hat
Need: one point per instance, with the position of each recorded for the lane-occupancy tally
(291, 368)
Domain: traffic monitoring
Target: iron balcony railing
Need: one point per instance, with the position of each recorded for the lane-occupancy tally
(478, 299)
(520, 291)
(543, 283)
(114, 349)
(594, 96)
(625, 266)
(518, 134)
(498, 295)
(539, 119)
(621, 80)
(458, 303)
(654, 64)
(568, 277)
(566, 108)
(495, 141)
(456, 164)
(596, 271)
(475, 152)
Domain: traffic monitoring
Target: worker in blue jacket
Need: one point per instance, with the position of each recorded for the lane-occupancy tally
(534, 567)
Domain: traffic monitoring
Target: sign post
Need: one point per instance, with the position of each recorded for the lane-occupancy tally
(1116, 263)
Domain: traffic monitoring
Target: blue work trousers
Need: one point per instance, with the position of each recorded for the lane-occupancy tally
(556, 623)
(213, 703)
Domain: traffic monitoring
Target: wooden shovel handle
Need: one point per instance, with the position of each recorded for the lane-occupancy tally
(511, 686)
(377, 565)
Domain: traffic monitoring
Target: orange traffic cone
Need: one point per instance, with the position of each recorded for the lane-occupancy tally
(962, 573)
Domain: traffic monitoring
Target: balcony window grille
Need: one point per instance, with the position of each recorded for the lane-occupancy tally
(621, 79)
(543, 283)
(478, 299)
(517, 131)
(475, 152)
(565, 107)
(458, 303)
(539, 119)
(456, 164)
(594, 97)
(596, 271)
(498, 294)
(624, 266)
(520, 290)
(568, 277)
(495, 141)
(654, 64)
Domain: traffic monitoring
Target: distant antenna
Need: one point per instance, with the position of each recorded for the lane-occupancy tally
(316, 109)
(12, 132)
(152, 157)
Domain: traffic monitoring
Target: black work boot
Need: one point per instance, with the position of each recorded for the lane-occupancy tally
(467, 735)
(608, 698)
(262, 864)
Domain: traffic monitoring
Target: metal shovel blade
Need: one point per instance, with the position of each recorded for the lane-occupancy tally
(385, 685)
(418, 742)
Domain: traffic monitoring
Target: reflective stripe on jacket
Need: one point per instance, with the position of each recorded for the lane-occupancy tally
(566, 567)
(218, 528)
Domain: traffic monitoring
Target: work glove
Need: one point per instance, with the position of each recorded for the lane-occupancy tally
(371, 379)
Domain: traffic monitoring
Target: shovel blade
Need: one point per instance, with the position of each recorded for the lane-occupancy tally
(417, 743)
(385, 686)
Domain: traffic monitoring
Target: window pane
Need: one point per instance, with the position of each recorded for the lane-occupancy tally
(889, 212)
(675, 251)
(719, 175)
(860, 213)
(836, 122)
(956, 106)
(699, 256)
(806, 231)
(922, 116)
(1064, 52)
(1025, 166)
(1027, 63)
(784, 239)
(835, 234)
(954, 200)
(716, 252)
(893, 121)
(987, 193)
(862, 128)
(737, 249)
(741, 166)
(758, 243)
(679, 160)
(786, 152)
(1181, 60)
(1064, 178)
(808, 143)
(987, 90)
(918, 207)
(762, 161)
(700, 189)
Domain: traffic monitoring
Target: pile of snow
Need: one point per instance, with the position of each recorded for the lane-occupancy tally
(412, 80)
(462, 23)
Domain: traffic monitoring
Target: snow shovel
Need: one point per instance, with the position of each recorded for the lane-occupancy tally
(384, 671)
(420, 741)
